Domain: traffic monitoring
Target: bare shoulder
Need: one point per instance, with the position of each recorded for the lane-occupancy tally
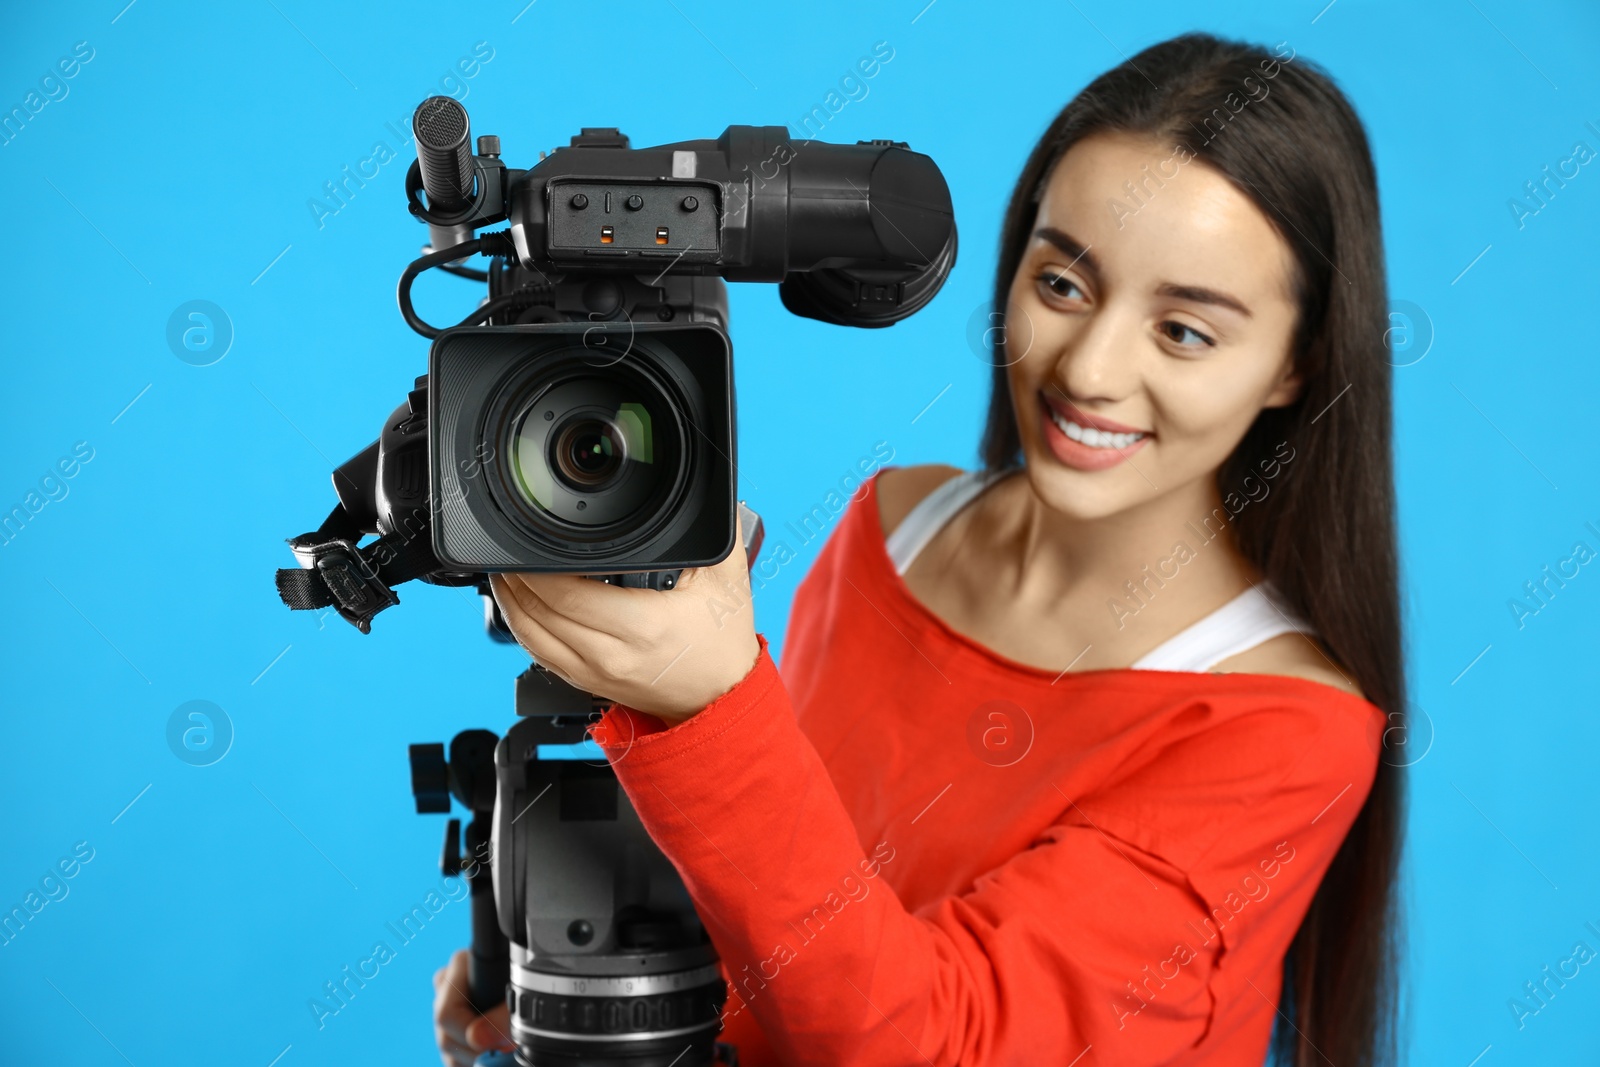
(899, 489)
(1292, 654)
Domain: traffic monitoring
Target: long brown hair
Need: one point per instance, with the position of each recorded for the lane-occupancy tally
(1279, 129)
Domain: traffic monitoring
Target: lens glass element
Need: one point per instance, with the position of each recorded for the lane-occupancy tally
(594, 451)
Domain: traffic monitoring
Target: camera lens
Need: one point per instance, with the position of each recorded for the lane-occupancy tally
(588, 452)
(593, 457)
(585, 448)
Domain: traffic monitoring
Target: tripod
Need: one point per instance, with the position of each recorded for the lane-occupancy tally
(579, 921)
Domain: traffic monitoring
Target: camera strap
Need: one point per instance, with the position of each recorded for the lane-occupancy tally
(355, 580)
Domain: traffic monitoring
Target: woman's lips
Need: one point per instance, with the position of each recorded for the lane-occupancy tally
(1102, 449)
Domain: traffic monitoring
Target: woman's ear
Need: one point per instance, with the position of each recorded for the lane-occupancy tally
(1287, 390)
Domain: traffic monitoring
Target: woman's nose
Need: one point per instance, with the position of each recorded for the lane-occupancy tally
(1099, 360)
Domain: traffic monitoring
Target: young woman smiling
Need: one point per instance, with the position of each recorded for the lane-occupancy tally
(984, 817)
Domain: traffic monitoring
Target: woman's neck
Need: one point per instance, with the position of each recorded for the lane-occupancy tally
(1127, 580)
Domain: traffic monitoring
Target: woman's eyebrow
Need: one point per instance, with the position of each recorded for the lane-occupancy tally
(1199, 294)
(1070, 246)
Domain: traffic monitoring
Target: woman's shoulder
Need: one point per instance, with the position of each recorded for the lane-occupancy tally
(899, 489)
(1295, 655)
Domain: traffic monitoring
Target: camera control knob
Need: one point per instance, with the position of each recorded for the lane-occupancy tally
(450, 854)
(430, 778)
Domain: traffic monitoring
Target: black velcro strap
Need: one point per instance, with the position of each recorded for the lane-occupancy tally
(302, 589)
(354, 580)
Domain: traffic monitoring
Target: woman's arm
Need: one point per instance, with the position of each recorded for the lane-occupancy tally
(1100, 933)
(1090, 937)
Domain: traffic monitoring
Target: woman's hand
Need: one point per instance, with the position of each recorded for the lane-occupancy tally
(669, 652)
(461, 1032)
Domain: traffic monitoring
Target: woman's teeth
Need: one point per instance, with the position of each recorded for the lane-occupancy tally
(1090, 436)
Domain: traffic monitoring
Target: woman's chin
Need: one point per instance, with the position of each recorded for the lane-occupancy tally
(1073, 494)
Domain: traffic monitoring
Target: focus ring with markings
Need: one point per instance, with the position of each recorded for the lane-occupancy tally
(611, 1017)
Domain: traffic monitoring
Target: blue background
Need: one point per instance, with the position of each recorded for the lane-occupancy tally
(179, 167)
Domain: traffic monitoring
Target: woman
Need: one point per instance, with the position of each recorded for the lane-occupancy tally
(1075, 758)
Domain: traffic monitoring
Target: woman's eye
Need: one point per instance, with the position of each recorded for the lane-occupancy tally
(1185, 336)
(1061, 285)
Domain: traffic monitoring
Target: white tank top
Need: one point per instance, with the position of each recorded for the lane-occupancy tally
(1256, 615)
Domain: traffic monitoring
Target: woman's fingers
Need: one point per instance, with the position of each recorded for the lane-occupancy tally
(454, 1054)
(620, 643)
(592, 617)
(591, 607)
(460, 1031)
(451, 1012)
(491, 1030)
(538, 639)
(570, 614)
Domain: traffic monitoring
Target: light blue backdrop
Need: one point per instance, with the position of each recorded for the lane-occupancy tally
(177, 163)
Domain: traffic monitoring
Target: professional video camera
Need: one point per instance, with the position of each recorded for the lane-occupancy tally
(590, 429)
(582, 420)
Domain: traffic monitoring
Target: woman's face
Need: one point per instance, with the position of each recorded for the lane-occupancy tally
(1147, 332)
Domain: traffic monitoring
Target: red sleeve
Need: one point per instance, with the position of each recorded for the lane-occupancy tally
(1059, 949)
